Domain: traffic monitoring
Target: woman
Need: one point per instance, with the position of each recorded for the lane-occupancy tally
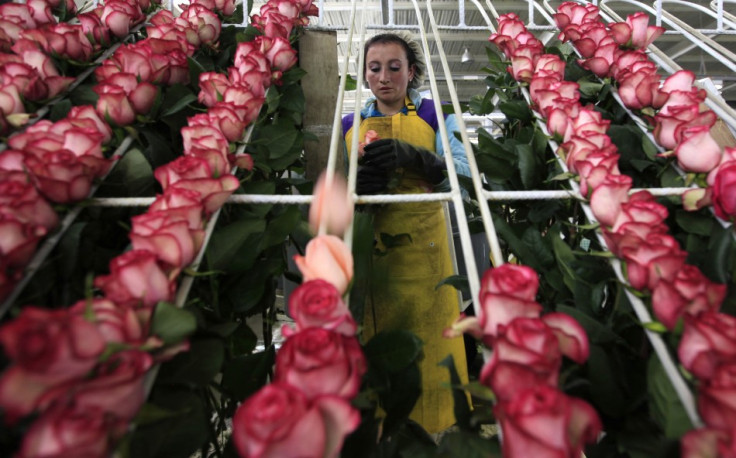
(410, 144)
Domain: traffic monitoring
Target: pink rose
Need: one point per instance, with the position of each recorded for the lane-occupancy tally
(22, 201)
(60, 176)
(208, 143)
(182, 203)
(224, 117)
(571, 337)
(280, 421)
(116, 323)
(639, 90)
(709, 339)
(523, 61)
(331, 205)
(64, 40)
(698, 151)
(327, 257)
(18, 241)
(603, 60)
(658, 257)
(195, 174)
(47, 348)
(93, 28)
(606, 199)
(709, 443)
(167, 236)
(526, 353)
(514, 280)
(244, 99)
(137, 280)
(724, 197)
(321, 362)
(594, 169)
(85, 116)
(119, 16)
(318, 304)
(636, 31)
(278, 51)
(575, 13)
(205, 22)
(543, 421)
(500, 309)
(717, 397)
(690, 292)
(113, 104)
(212, 86)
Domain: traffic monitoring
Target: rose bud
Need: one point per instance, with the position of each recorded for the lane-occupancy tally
(212, 86)
(96, 32)
(204, 21)
(181, 203)
(116, 323)
(86, 116)
(328, 258)
(514, 280)
(18, 241)
(571, 337)
(279, 52)
(332, 205)
(716, 396)
(209, 143)
(22, 201)
(113, 105)
(279, 421)
(606, 199)
(214, 191)
(167, 236)
(690, 292)
(698, 151)
(61, 177)
(317, 303)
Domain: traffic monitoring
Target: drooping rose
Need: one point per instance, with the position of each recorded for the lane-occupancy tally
(708, 340)
(321, 362)
(543, 421)
(279, 421)
(137, 280)
(327, 257)
(332, 205)
(47, 348)
(317, 303)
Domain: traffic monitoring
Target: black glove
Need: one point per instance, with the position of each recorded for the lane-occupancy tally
(390, 154)
(371, 180)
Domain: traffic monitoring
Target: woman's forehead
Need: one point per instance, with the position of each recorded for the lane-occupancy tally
(386, 52)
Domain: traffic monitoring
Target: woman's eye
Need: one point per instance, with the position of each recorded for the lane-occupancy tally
(375, 69)
(395, 69)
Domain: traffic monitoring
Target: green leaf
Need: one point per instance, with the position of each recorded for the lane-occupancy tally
(604, 376)
(277, 139)
(468, 445)
(171, 323)
(245, 375)
(655, 326)
(351, 83)
(393, 351)
(722, 254)
(198, 366)
(666, 407)
(695, 223)
(531, 168)
(459, 282)
(516, 109)
(132, 176)
(280, 227)
(176, 98)
(495, 62)
(226, 242)
(482, 105)
(650, 150)
(60, 109)
(151, 413)
(590, 89)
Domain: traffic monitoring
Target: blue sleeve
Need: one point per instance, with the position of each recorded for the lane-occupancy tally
(458, 150)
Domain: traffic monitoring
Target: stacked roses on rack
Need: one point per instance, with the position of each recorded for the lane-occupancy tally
(674, 107)
(524, 368)
(305, 410)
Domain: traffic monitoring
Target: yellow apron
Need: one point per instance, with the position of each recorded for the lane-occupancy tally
(408, 299)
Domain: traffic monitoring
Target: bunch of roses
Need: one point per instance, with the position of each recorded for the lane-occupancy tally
(305, 411)
(634, 228)
(681, 125)
(524, 369)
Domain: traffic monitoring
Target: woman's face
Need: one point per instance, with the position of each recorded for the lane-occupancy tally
(388, 74)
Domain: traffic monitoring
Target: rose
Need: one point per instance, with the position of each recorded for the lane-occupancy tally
(689, 292)
(332, 206)
(594, 169)
(657, 257)
(698, 151)
(588, 37)
(209, 143)
(97, 33)
(526, 353)
(578, 147)
(498, 310)
(514, 280)
(119, 15)
(18, 241)
(182, 203)
(717, 397)
(167, 236)
(10, 104)
(41, 12)
(709, 443)
(575, 13)
(550, 65)
(724, 198)
(69, 430)
(244, 99)
(46, 69)
(279, 421)
(204, 21)
(709, 339)
(327, 257)
(65, 40)
(47, 348)
(60, 176)
(571, 337)
(640, 89)
(136, 280)
(224, 117)
(226, 7)
(116, 323)
(543, 421)
(212, 86)
(272, 23)
(523, 61)
(278, 51)
(321, 362)
(636, 31)
(113, 104)
(186, 37)
(317, 303)
(21, 200)
(606, 199)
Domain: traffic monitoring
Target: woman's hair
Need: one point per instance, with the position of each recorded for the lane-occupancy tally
(413, 52)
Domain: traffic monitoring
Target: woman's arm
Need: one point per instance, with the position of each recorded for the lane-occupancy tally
(458, 150)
